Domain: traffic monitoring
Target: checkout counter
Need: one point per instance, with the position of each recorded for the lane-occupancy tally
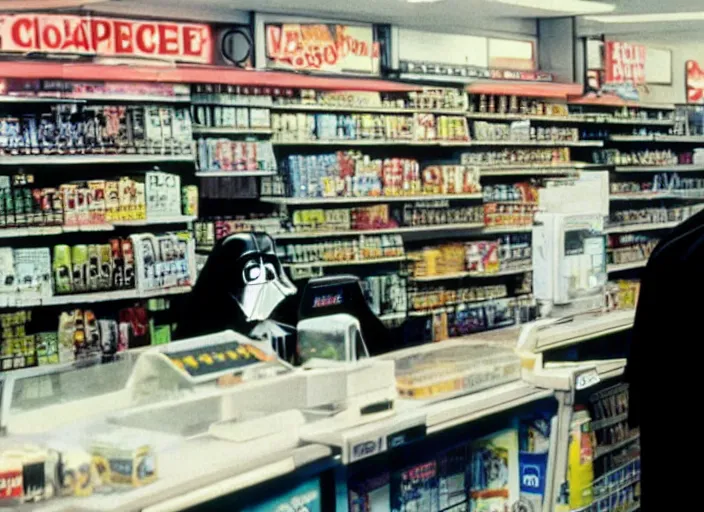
(214, 418)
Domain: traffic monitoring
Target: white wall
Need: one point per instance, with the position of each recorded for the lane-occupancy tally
(681, 53)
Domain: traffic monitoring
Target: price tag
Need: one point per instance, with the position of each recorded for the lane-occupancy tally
(368, 448)
(587, 379)
(202, 361)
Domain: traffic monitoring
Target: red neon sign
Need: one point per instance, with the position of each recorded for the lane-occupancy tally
(107, 37)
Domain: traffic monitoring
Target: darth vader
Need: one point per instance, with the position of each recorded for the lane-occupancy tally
(240, 286)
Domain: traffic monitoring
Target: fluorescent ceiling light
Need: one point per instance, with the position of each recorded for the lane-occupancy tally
(423, 1)
(649, 18)
(571, 6)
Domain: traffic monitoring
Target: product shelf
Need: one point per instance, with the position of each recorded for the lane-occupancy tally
(497, 230)
(540, 143)
(370, 109)
(632, 138)
(612, 269)
(660, 168)
(460, 275)
(371, 261)
(38, 99)
(230, 130)
(605, 450)
(92, 159)
(632, 228)
(448, 143)
(177, 219)
(34, 300)
(607, 422)
(295, 201)
(684, 139)
(91, 228)
(384, 231)
(126, 98)
(234, 174)
(641, 196)
(447, 307)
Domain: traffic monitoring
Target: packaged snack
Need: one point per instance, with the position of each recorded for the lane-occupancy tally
(79, 260)
(128, 263)
(124, 461)
(63, 269)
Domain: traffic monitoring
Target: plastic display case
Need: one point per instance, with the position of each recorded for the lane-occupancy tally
(440, 371)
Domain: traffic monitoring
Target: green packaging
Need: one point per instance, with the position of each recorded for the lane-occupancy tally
(63, 280)
(79, 259)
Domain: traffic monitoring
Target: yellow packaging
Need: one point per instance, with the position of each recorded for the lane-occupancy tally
(580, 470)
(119, 464)
(112, 201)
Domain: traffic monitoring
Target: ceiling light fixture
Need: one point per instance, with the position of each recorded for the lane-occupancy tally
(649, 18)
(567, 6)
(423, 1)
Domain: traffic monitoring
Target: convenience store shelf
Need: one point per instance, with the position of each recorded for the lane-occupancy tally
(632, 138)
(633, 228)
(178, 219)
(37, 99)
(640, 196)
(91, 228)
(447, 307)
(234, 174)
(27, 300)
(541, 143)
(230, 130)
(460, 275)
(323, 264)
(293, 201)
(623, 267)
(447, 143)
(534, 169)
(684, 139)
(607, 422)
(606, 449)
(498, 230)
(91, 159)
(572, 118)
(367, 109)
(660, 168)
(386, 231)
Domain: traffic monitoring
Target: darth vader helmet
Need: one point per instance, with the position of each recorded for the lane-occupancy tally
(255, 278)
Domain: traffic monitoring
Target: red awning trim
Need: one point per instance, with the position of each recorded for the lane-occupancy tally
(193, 75)
(529, 89)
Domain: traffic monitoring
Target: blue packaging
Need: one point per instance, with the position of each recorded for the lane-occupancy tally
(305, 496)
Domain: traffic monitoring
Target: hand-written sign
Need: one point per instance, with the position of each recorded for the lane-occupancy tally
(625, 62)
(201, 361)
(320, 47)
(106, 37)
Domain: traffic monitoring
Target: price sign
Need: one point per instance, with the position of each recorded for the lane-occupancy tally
(202, 361)
(587, 379)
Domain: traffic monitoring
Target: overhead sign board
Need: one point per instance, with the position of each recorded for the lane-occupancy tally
(322, 47)
(624, 62)
(105, 37)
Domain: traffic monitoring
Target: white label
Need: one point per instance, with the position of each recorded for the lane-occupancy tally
(587, 379)
(366, 449)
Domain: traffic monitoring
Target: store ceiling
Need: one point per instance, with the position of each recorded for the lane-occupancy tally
(444, 15)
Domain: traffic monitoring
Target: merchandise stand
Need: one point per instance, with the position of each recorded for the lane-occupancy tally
(335, 440)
